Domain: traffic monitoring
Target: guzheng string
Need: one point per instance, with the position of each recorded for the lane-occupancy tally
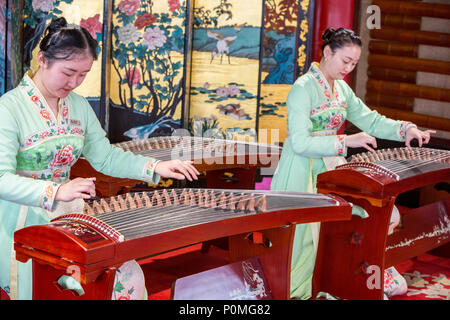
(164, 147)
(391, 158)
(133, 222)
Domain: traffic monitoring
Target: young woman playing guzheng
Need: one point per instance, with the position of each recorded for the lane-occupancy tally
(318, 104)
(44, 128)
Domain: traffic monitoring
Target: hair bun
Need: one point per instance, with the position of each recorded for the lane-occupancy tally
(328, 34)
(56, 25)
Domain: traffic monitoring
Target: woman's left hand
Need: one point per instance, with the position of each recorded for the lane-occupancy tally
(421, 136)
(177, 169)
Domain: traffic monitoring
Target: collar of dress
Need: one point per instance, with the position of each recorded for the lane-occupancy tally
(323, 83)
(40, 105)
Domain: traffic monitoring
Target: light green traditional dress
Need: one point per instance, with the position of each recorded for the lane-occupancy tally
(37, 151)
(315, 113)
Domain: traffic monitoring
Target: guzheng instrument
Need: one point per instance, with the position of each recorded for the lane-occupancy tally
(114, 230)
(361, 247)
(208, 154)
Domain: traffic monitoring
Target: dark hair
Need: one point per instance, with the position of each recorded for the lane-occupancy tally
(61, 41)
(339, 38)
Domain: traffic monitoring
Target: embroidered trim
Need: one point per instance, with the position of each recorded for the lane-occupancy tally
(323, 133)
(340, 147)
(323, 83)
(48, 196)
(59, 175)
(53, 132)
(149, 170)
(32, 92)
(403, 128)
(335, 104)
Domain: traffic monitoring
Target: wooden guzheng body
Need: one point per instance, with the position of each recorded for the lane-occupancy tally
(352, 255)
(212, 155)
(112, 231)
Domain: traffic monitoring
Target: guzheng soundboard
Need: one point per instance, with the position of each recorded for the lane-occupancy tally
(210, 155)
(206, 153)
(389, 171)
(112, 231)
(361, 248)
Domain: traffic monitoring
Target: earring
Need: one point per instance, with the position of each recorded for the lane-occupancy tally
(326, 58)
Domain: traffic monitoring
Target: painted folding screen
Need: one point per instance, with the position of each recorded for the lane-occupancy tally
(286, 52)
(148, 73)
(225, 68)
(215, 67)
(225, 72)
(10, 44)
(246, 55)
(3, 13)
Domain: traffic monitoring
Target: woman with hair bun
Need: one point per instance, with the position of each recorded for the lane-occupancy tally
(318, 104)
(44, 128)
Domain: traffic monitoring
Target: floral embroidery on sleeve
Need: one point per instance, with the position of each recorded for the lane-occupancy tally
(149, 171)
(341, 148)
(403, 128)
(48, 196)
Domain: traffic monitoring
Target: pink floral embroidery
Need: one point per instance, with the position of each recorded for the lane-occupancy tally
(335, 121)
(318, 75)
(388, 279)
(45, 114)
(63, 157)
(37, 137)
(341, 149)
(65, 112)
(43, 134)
(57, 173)
(76, 130)
(403, 128)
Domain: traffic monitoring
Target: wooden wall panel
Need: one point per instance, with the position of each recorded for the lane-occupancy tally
(404, 58)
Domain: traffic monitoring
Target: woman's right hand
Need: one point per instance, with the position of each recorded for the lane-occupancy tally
(83, 188)
(177, 169)
(359, 140)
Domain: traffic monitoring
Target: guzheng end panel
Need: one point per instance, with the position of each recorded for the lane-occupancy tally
(358, 180)
(68, 240)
